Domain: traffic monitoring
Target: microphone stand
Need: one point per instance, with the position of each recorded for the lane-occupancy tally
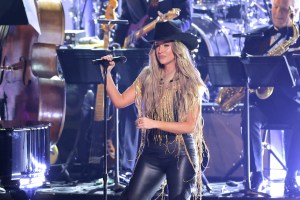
(117, 185)
(105, 174)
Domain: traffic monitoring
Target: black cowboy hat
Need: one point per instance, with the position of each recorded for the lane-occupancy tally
(168, 31)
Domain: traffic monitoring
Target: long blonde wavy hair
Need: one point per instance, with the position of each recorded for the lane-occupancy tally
(187, 77)
(188, 95)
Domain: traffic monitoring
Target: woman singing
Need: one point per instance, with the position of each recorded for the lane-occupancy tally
(168, 96)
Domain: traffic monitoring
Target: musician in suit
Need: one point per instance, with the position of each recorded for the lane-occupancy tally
(283, 106)
(134, 11)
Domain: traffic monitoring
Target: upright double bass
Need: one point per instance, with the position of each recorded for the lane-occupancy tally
(29, 77)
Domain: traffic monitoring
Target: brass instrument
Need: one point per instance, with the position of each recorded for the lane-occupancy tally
(230, 97)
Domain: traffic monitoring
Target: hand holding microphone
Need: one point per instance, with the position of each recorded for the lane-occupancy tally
(108, 62)
(106, 59)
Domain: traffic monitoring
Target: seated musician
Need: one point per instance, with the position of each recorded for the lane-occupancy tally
(283, 106)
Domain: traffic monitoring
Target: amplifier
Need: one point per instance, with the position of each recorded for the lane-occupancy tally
(223, 137)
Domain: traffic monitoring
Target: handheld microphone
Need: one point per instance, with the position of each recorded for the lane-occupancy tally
(239, 35)
(121, 59)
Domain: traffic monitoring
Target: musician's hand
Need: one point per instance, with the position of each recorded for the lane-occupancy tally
(161, 16)
(111, 65)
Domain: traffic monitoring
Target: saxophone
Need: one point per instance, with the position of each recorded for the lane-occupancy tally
(230, 97)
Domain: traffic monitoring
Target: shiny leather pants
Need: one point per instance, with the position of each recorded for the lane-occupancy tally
(154, 166)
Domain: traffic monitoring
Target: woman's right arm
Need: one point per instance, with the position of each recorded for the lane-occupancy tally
(119, 100)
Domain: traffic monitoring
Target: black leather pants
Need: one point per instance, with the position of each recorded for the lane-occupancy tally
(159, 162)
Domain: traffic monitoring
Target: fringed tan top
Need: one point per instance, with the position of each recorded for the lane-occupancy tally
(166, 111)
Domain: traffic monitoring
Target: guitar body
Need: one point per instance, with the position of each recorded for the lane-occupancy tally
(133, 28)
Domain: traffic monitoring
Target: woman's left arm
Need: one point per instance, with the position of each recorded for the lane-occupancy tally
(187, 126)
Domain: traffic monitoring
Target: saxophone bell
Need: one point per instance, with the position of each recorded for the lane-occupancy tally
(264, 92)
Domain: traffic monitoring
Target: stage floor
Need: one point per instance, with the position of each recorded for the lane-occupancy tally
(94, 190)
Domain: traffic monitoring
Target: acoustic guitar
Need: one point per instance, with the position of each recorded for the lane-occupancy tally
(136, 31)
(109, 14)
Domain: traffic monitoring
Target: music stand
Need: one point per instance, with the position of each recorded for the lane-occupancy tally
(78, 68)
(249, 72)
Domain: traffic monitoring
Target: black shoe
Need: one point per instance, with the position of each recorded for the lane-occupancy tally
(257, 182)
(291, 188)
